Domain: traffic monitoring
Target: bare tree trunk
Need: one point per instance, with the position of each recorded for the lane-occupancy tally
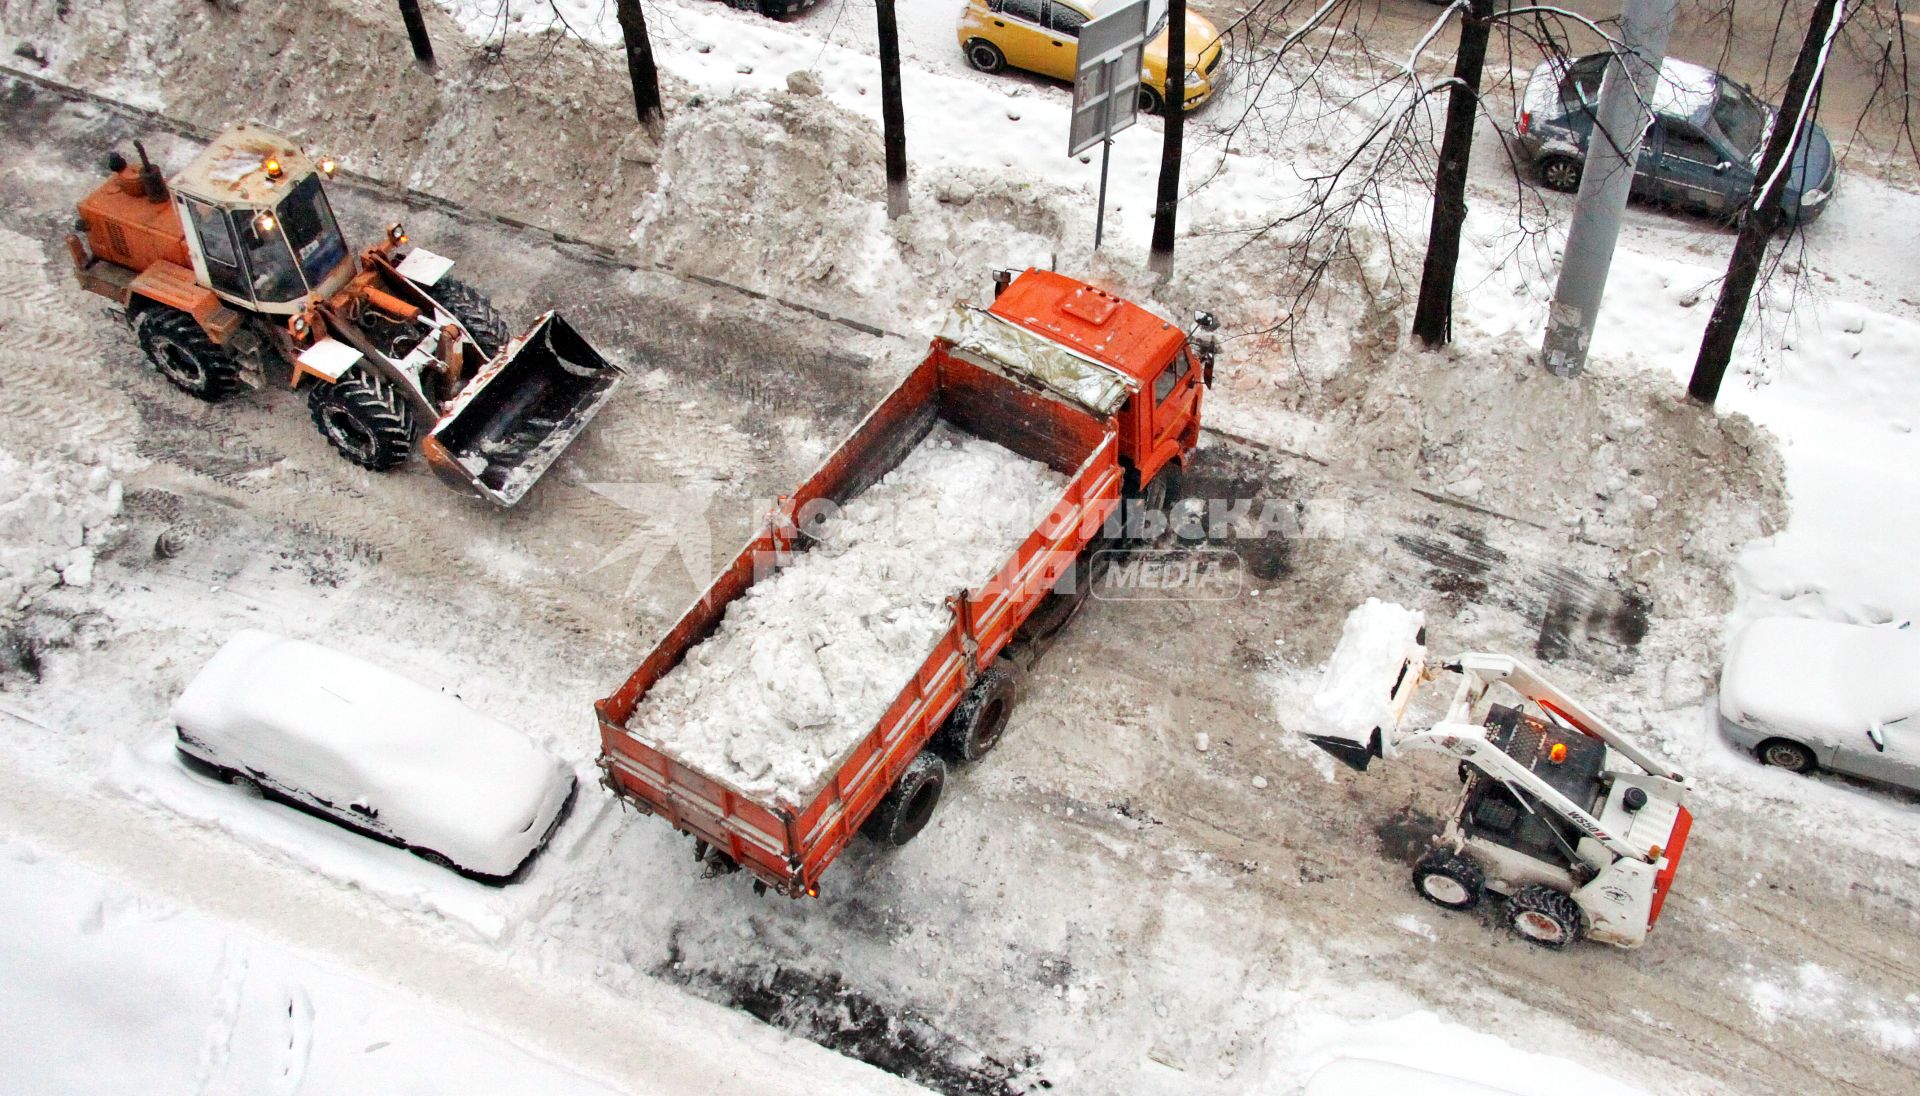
(893, 115)
(1166, 205)
(416, 31)
(1433, 316)
(640, 67)
(1764, 215)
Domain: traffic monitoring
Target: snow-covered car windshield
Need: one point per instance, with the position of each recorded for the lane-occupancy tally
(1741, 118)
(1885, 674)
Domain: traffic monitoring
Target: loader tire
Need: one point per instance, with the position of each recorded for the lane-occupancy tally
(190, 361)
(364, 419)
(475, 313)
(1544, 916)
(909, 805)
(1448, 879)
(975, 725)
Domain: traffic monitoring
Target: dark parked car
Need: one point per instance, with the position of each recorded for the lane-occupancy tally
(1702, 151)
(772, 7)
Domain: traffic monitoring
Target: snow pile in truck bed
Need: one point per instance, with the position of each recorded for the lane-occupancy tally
(807, 660)
(1355, 696)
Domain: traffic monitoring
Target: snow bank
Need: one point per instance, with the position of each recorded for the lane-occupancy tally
(805, 662)
(1419, 1052)
(108, 989)
(1357, 693)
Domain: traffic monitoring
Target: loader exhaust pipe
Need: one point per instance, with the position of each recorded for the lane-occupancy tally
(150, 180)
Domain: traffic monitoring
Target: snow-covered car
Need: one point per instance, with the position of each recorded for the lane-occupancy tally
(1701, 152)
(1819, 694)
(357, 743)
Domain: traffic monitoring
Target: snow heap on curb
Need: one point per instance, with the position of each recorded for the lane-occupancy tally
(53, 515)
(1355, 697)
(806, 662)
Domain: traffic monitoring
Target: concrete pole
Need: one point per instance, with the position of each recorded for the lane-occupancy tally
(1621, 120)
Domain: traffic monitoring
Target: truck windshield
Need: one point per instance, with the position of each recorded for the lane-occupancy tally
(311, 230)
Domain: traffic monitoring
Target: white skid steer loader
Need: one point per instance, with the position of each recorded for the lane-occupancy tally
(1580, 829)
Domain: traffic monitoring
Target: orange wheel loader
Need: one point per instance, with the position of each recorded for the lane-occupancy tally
(237, 262)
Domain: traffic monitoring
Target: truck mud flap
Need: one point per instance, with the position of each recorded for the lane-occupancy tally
(521, 412)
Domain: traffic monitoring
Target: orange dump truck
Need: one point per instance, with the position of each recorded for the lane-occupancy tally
(1101, 392)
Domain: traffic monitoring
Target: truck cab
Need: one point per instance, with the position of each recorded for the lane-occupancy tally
(1163, 372)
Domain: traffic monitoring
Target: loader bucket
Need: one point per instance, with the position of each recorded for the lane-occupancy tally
(516, 417)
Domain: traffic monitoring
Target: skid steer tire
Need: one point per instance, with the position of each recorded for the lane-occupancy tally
(475, 313)
(1544, 916)
(909, 806)
(1450, 880)
(364, 419)
(975, 725)
(182, 353)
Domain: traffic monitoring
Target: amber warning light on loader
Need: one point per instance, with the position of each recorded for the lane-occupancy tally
(328, 167)
(274, 171)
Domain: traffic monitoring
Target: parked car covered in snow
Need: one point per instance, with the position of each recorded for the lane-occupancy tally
(1043, 36)
(1819, 694)
(357, 743)
(1701, 152)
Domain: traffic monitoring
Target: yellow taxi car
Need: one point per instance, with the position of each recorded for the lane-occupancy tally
(1043, 36)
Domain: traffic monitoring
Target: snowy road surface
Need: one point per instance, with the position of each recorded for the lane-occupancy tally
(1101, 905)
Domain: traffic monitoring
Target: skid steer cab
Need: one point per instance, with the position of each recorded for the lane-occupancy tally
(236, 267)
(1580, 829)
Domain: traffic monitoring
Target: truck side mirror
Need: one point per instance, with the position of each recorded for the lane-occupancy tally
(1877, 736)
(1722, 167)
(1001, 280)
(1205, 321)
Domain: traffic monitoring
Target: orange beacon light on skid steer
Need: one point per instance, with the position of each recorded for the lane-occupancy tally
(237, 263)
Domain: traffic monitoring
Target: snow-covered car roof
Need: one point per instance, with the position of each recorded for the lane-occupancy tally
(1821, 675)
(1683, 90)
(440, 774)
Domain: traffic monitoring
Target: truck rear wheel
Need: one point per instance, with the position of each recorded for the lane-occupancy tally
(1545, 916)
(475, 313)
(363, 418)
(909, 806)
(975, 725)
(177, 346)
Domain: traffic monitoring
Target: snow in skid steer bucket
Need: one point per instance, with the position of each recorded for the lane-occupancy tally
(1355, 697)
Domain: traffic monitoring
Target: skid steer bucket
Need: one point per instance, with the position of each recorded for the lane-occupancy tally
(521, 412)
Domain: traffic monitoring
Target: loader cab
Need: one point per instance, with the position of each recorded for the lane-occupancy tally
(1165, 372)
(258, 225)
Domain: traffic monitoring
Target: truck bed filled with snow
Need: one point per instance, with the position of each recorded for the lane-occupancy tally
(806, 661)
(1356, 695)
